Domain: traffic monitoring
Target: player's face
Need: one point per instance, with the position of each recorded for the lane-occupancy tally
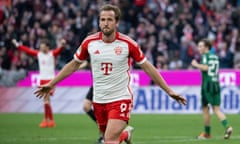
(44, 48)
(107, 22)
(201, 47)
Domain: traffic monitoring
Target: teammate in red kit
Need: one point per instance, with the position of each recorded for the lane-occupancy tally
(46, 62)
(110, 53)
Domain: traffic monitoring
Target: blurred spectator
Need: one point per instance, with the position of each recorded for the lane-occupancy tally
(225, 56)
(188, 51)
(176, 62)
(166, 30)
(160, 62)
(237, 63)
(10, 78)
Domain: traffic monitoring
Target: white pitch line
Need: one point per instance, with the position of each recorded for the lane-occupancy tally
(178, 139)
(141, 140)
(48, 138)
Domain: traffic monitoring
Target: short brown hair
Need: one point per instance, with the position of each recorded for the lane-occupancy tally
(46, 42)
(109, 7)
(206, 43)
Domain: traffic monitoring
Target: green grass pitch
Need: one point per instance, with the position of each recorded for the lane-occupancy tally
(79, 129)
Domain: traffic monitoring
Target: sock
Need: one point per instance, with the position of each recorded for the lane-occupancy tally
(50, 113)
(91, 115)
(123, 136)
(207, 129)
(225, 123)
(45, 111)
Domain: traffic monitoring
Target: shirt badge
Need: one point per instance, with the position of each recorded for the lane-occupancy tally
(118, 50)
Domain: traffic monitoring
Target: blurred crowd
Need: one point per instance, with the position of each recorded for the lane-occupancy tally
(166, 30)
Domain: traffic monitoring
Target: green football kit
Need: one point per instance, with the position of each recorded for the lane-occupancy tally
(210, 84)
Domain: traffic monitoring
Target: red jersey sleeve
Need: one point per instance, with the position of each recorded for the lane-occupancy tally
(136, 53)
(28, 50)
(57, 51)
(82, 52)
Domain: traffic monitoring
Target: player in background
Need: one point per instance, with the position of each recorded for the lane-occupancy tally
(88, 104)
(46, 62)
(210, 89)
(87, 107)
(110, 52)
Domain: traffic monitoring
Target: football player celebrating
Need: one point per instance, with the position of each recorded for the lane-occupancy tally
(46, 62)
(110, 52)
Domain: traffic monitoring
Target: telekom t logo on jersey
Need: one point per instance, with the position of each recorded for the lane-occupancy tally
(106, 68)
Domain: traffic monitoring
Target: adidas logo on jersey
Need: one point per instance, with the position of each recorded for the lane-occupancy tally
(97, 52)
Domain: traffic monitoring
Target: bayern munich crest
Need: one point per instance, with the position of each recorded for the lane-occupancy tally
(118, 50)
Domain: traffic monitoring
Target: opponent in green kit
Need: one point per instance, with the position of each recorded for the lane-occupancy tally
(210, 91)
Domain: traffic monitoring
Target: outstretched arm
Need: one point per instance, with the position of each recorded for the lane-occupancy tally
(83, 65)
(26, 49)
(68, 69)
(157, 78)
(59, 49)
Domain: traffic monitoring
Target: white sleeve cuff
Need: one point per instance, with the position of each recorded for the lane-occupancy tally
(142, 61)
(77, 59)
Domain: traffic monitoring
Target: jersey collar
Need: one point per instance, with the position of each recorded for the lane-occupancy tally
(101, 37)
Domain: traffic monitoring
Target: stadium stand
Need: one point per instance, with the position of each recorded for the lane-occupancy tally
(167, 30)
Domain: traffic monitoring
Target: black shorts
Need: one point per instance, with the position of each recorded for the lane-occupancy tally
(89, 95)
